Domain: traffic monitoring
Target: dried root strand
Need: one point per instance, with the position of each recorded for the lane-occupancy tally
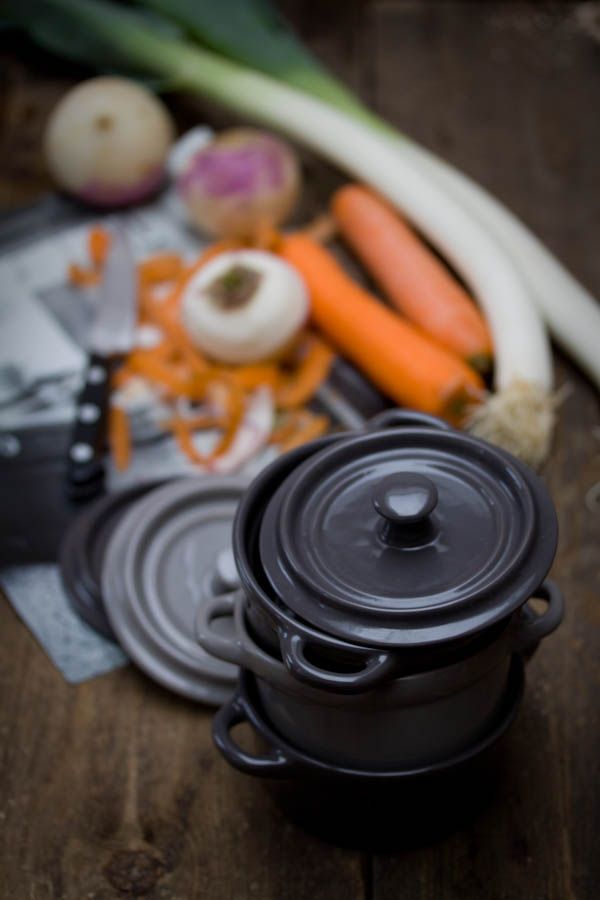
(520, 419)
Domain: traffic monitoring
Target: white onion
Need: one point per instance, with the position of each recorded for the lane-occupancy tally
(244, 306)
(107, 141)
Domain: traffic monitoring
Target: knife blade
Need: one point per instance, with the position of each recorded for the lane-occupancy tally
(111, 336)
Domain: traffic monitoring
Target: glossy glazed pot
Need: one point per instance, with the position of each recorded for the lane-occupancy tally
(367, 808)
(351, 590)
(409, 721)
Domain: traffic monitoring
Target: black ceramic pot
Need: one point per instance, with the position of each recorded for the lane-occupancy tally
(377, 808)
(415, 719)
(368, 556)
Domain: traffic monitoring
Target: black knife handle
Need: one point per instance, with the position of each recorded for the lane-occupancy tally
(85, 464)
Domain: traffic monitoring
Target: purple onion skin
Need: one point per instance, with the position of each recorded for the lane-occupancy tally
(221, 171)
(98, 193)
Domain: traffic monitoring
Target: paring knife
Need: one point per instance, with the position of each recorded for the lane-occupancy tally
(111, 336)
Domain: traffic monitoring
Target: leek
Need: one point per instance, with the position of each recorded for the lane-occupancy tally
(522, 356)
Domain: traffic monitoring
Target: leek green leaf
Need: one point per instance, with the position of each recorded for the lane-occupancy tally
(68, 29)
(254, 33)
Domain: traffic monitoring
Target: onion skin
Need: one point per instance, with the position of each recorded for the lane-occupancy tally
(243, 181)
(107, 140)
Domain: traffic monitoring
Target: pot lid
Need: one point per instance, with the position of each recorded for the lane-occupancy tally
(154, 567)
(407, 537)
(82, 551)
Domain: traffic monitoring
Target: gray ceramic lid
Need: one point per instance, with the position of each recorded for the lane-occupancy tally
(155, 564)
(407, 537)
(82, 551)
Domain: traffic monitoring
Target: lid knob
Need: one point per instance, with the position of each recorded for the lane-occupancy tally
(404, 501)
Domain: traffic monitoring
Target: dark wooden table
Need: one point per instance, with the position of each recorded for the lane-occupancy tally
(113, 789)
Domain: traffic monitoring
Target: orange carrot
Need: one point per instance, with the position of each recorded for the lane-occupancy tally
(119, 436)
(98, 245)
(400, 360)
(410, 276)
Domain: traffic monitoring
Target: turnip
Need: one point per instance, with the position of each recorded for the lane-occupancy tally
(107, 140)
(244, 306)
(243, 181)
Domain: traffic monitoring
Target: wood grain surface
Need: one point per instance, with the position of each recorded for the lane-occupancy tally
(113, 789)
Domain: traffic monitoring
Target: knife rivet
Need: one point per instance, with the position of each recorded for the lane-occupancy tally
(89, 412)
(96, 375)
(81, 452)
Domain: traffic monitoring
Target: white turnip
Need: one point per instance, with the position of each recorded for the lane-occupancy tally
(107, 140)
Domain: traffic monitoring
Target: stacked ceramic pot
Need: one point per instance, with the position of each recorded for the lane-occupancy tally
(378, 597)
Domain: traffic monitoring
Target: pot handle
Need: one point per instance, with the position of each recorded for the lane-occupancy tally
(241, 650)
(532, 628)
(274, 763)
(214, 607)
(379, 666)
(399, 418)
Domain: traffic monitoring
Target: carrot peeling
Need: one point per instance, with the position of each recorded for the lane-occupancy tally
(193, 423)
(119, 437)
(176, 380)
(312, 371)
(183, 428)
(254, 375)
(184, 437)
(173, 368)
(81, 277)
(158, 268)
(98, 245)
(299, 427)
(234, 413)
